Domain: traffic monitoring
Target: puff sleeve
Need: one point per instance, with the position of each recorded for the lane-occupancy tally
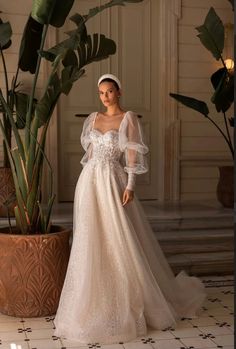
(85, 138)
(132, 144)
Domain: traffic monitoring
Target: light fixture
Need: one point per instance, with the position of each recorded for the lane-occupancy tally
(229, 63)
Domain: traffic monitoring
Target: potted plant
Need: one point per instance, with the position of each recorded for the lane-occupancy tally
(211, 35)
(34, 254)
(6, 181)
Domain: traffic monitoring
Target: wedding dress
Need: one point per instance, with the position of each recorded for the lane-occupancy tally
(118, 281)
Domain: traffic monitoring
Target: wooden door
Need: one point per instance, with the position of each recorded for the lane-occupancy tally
(133, 27)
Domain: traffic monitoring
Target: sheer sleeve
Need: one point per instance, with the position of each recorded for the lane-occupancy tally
(85, 138)
(132, 144)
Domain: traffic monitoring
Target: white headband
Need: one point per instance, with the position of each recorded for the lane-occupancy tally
(109, 76)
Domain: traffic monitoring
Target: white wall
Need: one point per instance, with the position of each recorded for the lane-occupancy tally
(202, 148)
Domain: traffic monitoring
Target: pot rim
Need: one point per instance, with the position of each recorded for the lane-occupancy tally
(61, 230)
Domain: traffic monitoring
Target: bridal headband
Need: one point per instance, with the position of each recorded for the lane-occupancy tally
(109, 76)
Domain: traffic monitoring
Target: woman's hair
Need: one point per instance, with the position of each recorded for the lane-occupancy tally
(111, 80)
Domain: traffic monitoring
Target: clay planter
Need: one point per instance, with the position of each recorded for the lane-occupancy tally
(225, 187)
(32, 272)
(7, 189)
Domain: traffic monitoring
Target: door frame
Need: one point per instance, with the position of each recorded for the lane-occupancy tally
(168, 123)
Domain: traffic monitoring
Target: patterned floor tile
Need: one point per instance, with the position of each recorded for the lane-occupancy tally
(46, 333)
(14, 345)
(44, 344)
(225, 339)
(224, 320)
(219, 311)
(215, 330)
(10, 326)
(137, 345)
(211, 330)
(157, 335)
(28, 323)
(74, 344)
(198, 342)
(112, 346)
(203, 321)
(168, 344)
(6, 318)
(12, 336)
(186, 332)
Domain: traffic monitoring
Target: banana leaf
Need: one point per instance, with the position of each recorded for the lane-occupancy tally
(193, 103)
(96, 48)
(52, 12)
(223, 83)
(5, 35)
(68, 76)
(211, 34)
(45, 106)
(21, 105)
(81, 27)
(30, 45)
(94, 11)
(13, 125)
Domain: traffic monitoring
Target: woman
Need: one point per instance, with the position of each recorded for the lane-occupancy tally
(118, 281)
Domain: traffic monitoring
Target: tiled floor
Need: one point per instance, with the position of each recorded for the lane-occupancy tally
(212, 329)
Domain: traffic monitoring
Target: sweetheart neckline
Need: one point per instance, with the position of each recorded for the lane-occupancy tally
(112, 129)
(103, 133)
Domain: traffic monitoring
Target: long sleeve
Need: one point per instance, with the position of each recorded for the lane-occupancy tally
(131, 142)
(85, 138)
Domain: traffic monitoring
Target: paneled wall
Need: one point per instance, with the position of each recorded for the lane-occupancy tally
(202, 148)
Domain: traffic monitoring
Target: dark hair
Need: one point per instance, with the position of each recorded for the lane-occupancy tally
(111, 80)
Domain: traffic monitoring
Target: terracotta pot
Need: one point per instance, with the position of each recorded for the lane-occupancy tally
(7, 189)
(225, 187)
(32, 272)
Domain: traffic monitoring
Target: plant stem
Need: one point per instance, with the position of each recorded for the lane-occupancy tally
(28, 116)
(5, 122)
(226, 139)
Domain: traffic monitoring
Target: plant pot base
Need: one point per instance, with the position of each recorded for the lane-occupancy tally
(32, 273)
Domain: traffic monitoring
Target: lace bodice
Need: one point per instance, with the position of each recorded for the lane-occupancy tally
(125, 145)
(105, 147)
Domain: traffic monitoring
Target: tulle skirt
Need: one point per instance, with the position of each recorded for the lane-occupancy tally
(118, 281)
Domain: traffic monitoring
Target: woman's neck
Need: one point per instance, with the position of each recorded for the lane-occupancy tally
(113, 110)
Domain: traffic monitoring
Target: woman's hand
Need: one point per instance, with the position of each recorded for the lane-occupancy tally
(127, 196)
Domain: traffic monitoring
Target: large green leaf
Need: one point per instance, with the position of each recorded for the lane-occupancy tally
(94, 11)
(70, 59)
(52, 12)
(211, 33)
(30, 44)
(223, 83)
(81, 30)
(68, 76)
(193, 103)
(96, 48)
(46, 104)
(5, 35)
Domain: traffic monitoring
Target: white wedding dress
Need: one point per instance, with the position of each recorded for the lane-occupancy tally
(118, 281)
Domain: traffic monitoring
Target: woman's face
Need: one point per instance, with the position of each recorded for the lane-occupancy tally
(108, 93)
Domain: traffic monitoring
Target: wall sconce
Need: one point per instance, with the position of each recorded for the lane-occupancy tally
(228, 46)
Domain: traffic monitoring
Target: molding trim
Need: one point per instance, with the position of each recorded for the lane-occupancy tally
(170, 12)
